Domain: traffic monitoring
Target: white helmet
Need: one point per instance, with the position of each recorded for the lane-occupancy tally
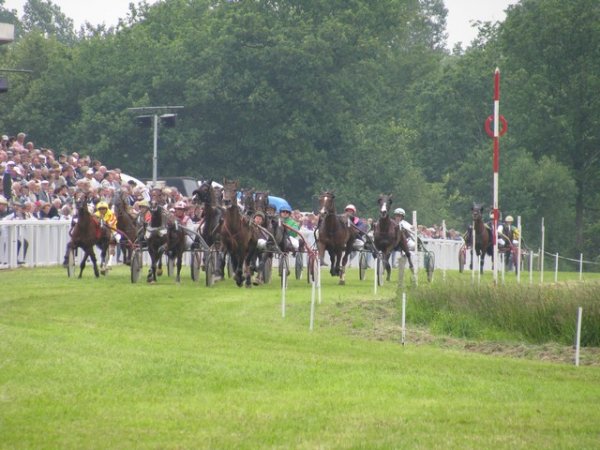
(509, 219)
(350, 207)
(180, 205)
(399, 211)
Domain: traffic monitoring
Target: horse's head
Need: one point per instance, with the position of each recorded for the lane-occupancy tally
(326, 203)
(230, 188)
(477, 211)
(204, 194)
(248, 200)
(156, 214)
(385, 202)
(261, 200)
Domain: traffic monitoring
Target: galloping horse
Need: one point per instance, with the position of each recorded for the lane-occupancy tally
(126, 225)
(236, 235)
(87, 233)
(483, 236)
(156, 236)
(334, 235)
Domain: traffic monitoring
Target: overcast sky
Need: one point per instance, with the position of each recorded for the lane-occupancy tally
(460, 13)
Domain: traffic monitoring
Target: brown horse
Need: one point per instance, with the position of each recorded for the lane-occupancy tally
(237, 235)
(483, 236)
(126, 226)
(334, 235)
(87, 233)
(386, 232)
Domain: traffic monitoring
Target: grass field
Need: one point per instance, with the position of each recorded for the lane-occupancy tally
(107, 364)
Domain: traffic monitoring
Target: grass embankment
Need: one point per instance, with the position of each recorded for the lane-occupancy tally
(107, 364)
(531, 313)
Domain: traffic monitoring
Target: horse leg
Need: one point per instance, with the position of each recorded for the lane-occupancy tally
(82, 264)
(341, 264)
(334, 263)
(237, 268)
(388, 268)
(481, 261)
(94, 261)
(179, 258)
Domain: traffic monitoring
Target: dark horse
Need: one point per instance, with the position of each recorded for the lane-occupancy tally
(334, 235)
(483, 236)
(87, 233)
(126, 226)
(212, 214)
(237, 235)
(388, 236)
(156, 236)
(175, 244)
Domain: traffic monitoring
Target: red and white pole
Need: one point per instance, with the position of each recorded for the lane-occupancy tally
(497, 132)
(496, 165)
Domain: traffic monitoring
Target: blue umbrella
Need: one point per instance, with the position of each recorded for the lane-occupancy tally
(279, 203)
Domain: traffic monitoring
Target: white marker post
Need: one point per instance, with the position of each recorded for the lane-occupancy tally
(580, 266)
(403, 318)
(518, 258)
(283, 288)
(415, 231)
(542, 253)
(556, 268)
(578, 338)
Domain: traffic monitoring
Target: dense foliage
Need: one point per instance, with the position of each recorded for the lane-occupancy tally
(360, 97)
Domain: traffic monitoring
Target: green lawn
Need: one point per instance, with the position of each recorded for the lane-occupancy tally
(107, 364)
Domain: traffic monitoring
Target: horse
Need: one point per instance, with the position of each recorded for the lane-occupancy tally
(87, 233)
(126, 226)
(156, 237)
(386, 232)
(247, 201)
(334, 235)
(210, 224)
(237, 235)
(175, 244)
(483, 236)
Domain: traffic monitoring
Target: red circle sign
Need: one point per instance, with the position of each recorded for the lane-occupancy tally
(488, 126)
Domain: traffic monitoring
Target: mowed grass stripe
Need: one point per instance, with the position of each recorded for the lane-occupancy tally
(107, 364)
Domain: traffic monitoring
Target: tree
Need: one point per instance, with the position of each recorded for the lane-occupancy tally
(553, 73)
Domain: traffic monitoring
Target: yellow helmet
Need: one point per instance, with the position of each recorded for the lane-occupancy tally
(509, 219)
(101, 205)
(144, 203)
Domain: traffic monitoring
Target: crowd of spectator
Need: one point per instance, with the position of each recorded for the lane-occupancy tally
(38, 183)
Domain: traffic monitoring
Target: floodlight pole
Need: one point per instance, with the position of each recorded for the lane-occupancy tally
(154, 112)
(155, 152)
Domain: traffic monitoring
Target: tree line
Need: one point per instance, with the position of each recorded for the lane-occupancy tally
(360, 97)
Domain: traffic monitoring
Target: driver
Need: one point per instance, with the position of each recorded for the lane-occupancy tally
(399, 214)
(285, 212)
(350, 211)
(108, 219)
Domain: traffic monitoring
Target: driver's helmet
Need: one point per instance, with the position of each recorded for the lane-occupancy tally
(285, 209)
(350, 207)
(180, 205)
(144, 203)
(261, 214)
(399, 212)
(509, 219)
(101, 205)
